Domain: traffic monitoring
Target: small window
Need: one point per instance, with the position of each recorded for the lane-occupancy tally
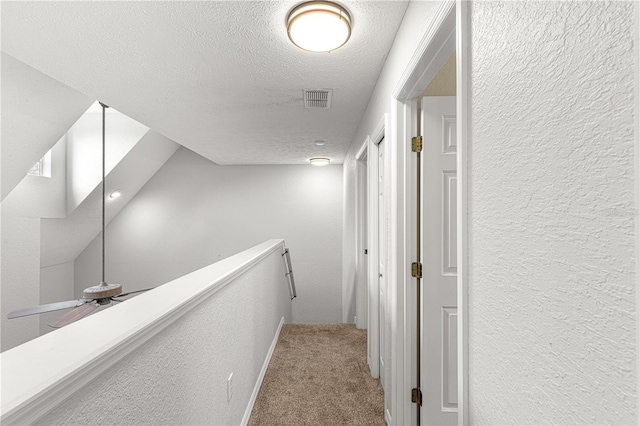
(43, 167)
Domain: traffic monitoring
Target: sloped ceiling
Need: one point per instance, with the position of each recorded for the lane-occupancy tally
(220, 78)
(36, 112)
(63, 239)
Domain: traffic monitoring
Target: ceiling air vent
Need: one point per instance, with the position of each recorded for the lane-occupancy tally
(317, 98)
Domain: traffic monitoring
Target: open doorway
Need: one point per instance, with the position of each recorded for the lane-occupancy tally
(432, 247)
(438, 354)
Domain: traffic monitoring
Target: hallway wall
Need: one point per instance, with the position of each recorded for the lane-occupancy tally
(417, 19)
(194, 212)
(20, 263)
(552, 276)
(552, 303)
(33, 198)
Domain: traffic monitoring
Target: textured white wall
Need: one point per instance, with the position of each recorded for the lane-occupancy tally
(193, 213)
(84, 150)
(444, 82)
(34, 197)
(416, 20)
(552, 303)
(20, 287)
(179, 376)
(37, 196)
(56, 285)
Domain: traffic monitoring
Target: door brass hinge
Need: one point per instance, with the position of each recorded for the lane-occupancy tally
(416, 269)
(416, 144)
(416, 396)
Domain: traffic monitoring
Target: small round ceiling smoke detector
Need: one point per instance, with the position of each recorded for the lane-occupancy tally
(319, 26)
(319, 161)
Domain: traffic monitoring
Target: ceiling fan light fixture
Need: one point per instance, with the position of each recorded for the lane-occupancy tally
(319, 161)
(319, 26)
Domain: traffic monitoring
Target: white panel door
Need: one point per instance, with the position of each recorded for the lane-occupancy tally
(439, 380)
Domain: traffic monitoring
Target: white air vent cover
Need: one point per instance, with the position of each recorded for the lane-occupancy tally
(317, 98)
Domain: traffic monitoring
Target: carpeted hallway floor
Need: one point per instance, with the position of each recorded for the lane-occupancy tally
(318, 375)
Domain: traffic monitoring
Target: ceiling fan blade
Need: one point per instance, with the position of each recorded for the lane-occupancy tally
(46, 308)
(133, 292)
(73, 316)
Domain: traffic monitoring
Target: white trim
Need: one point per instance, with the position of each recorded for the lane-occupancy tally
(403, 355)
(373, 327)
(636, 96)
(373, 323)
(373, 341)
(361, 272)
(34, 382)
(462, 127)
(363, 150)
(433, 51)
(435, 47)
(263, 371)
(379, 132)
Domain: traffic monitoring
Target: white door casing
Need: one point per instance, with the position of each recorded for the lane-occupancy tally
(384, 230)
(373, 328)
(362, 197)
(439, 353)
(381, 201)
(381, 259)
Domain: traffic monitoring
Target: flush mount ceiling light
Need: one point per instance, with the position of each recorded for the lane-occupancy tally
(319, 161)
(115, 194)
(319, 26)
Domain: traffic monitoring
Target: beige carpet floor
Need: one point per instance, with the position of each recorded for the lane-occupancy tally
(318, 375)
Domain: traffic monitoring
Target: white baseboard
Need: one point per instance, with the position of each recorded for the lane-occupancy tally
(256, 388)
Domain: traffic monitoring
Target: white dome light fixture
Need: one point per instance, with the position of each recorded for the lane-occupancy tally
(319, 161)
(319, 26)
(115, 194)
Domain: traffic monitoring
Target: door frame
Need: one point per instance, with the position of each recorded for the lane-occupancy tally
(373, 322)
(447, 32)
(361, 220)
(373, 338)
(636, 95)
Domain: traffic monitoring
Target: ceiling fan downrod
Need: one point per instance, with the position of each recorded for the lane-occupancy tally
(103, 283)
(101, 293)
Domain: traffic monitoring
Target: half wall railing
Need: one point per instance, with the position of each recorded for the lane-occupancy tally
(192, 351)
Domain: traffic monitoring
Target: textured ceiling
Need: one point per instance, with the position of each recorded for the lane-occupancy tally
(220, 78)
